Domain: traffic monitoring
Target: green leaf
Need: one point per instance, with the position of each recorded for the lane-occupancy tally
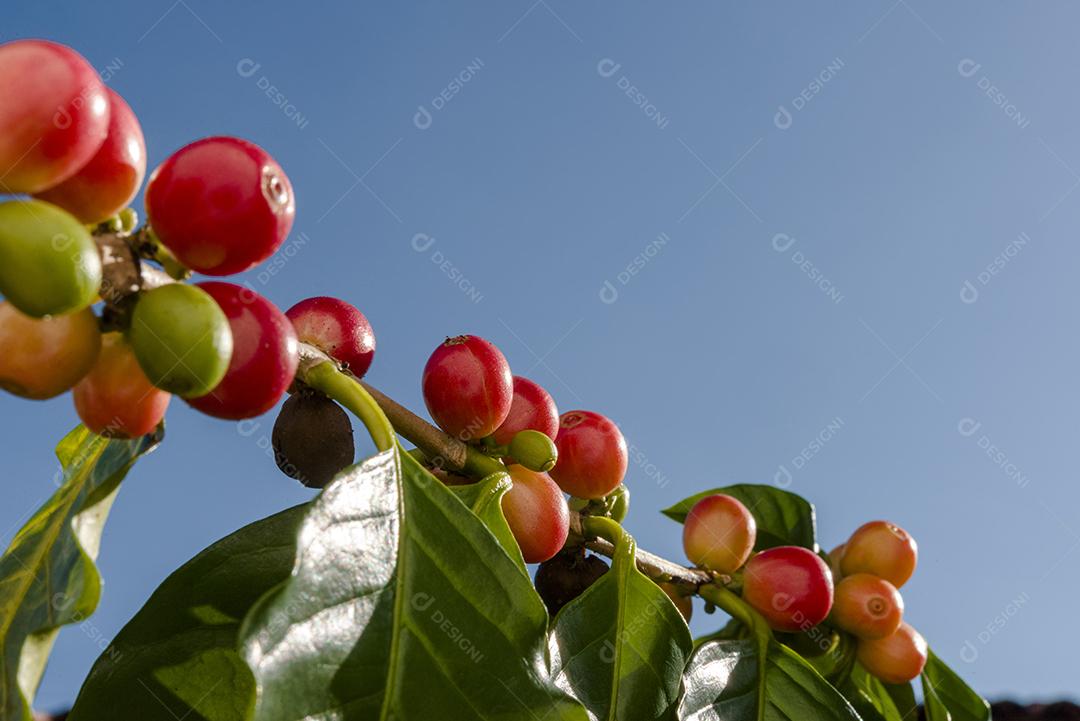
(47, 575)
(934, 706)
(620, 647)
(783, 518)
(177, 657)
(401, 605)
(946, 691)
(876, 700)
(485, 500)
(721, 680)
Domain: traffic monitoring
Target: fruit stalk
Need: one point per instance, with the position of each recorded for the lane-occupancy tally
(124, 275)
(122, 272)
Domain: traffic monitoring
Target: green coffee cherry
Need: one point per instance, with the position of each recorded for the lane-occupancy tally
(618, 503)
(181, 338)
(49, 263)
(534, 450)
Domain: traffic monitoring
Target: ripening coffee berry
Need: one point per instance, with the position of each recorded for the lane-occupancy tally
(835, 556)
(181, 338)
(719, 533)
(312, 439)
(537, 514)
(867, 606)
(221, 205)
(882, 549)
(566, 576)
(115, 399)
(264, 355)
(49, 264)
(105, 185)
(685, 604)
(790, 586)
(336, 328)
(897, 658)
(54, 117)
(44, 357)
(467, 387)
(534, 450)
(592, 455)
(531, 408)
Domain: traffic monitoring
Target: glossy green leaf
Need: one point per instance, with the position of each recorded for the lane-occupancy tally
(721, 680)
(177, 657)
(783, 518)
(621, 646)
(955, 696)
(485, 500)
(401, 605)
(933, 705)
(47, 575)
(877, 701)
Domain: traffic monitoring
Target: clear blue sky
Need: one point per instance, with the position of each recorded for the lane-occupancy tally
(807, 296)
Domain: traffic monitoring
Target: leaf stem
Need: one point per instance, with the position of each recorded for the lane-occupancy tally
(604, 528)
(323, 375)
(739, 609)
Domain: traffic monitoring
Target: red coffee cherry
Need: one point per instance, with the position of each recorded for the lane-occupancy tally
(337, 329)
(109, 181)
(116, 399)
(531, 409)
(537, 514)
(790, 586)
(867, 606)
(719, 533)
(54, 116)
(264, 356)
(221, 205)
(44, 357)
(897, 658)
(882, 549)
(592, 455)
(468, 387)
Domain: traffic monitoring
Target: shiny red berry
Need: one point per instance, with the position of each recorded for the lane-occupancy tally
(221, 205)
(537, 514)
(468, 387)
(790, 586)
(116, 399)
(264, 356)
(54, 114)
(336, 328)
(109, 181)
(592, 455)
(531, 409)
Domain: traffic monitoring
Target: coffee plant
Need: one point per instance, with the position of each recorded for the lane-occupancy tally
(400, 590)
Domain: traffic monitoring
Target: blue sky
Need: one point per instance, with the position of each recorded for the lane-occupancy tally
(824, 246)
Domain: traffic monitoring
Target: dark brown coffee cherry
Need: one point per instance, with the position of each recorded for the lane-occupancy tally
(566, 576)
(312, 439)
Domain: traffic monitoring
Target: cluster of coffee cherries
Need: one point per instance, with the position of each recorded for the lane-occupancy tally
(218, 206)
(798, 592)
(472, 395)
